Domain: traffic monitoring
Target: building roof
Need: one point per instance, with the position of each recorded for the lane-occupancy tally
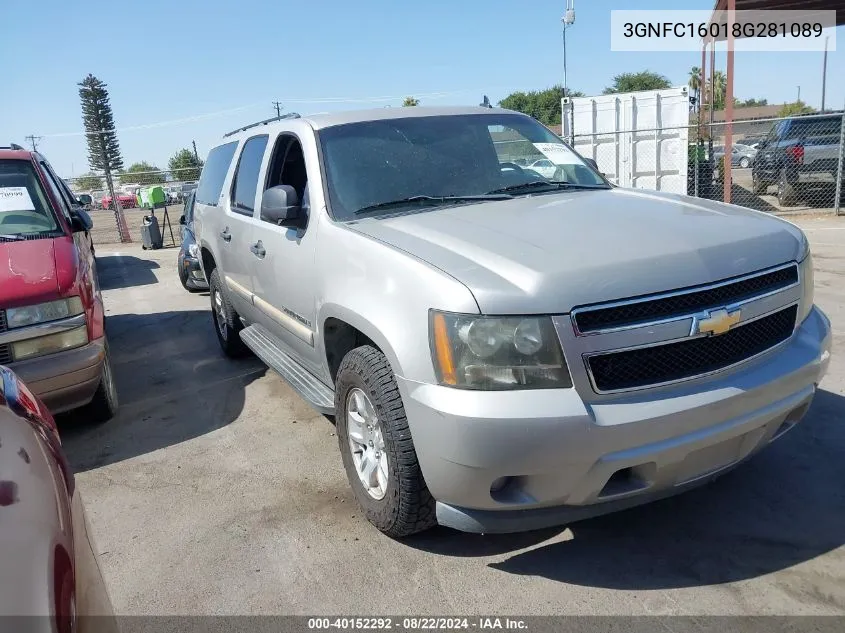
(786, 5)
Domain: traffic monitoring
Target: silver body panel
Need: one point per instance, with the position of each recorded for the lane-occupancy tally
(549, 255)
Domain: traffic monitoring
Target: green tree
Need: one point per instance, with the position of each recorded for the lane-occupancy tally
(543, 105)
(797, 107)
(137, 174)
(695, 83)
(410, 102)
(88, 182)
(184, 165)
(634, 82)
(751, 103)
(103, 148)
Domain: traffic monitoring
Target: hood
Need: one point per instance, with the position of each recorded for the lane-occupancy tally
(27, 272)
(551, 253)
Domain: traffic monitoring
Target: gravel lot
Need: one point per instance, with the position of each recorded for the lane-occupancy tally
(218, 490)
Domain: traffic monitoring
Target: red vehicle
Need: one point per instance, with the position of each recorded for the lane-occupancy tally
(50, 567)
(51, 310)
(126, 200)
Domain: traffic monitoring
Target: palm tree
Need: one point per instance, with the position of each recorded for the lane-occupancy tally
(720, 84)
(410, 102)
(695, 84)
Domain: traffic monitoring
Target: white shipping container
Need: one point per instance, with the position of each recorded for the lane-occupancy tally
(638, 139)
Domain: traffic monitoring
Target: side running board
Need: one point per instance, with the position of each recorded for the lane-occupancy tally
(264, 345)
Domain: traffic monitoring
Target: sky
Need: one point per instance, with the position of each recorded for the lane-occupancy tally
(186, 70)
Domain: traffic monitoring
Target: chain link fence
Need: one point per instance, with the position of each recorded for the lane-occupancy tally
(106, 219)
(789, 164)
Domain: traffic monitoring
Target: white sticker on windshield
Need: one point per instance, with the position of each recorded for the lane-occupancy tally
(15, 199)
(558, 153)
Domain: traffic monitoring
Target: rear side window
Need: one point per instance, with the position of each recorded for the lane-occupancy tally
(214, 173)
(24, 207)
(245, 183)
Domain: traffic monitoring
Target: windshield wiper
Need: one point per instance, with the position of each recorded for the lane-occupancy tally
(432, 200)
(11, 237)
(552, 185)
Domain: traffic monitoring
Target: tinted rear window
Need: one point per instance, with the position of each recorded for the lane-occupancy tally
(214, 173)
(24, 208)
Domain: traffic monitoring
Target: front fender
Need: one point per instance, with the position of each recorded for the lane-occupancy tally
(387, 295)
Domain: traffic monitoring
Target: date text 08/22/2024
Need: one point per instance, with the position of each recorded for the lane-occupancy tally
(416, 623)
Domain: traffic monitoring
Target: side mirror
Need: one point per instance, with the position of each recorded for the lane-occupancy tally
(182, 220)
(280, 205)
(592, 163)
(80, 220)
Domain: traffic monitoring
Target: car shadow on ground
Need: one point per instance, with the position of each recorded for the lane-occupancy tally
(173, 384)
(784, 507)
(743, 197)
(122, 271)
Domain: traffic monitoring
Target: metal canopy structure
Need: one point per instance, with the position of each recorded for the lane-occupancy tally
(718, 15)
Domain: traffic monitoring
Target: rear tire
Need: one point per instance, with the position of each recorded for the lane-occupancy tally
(405, 506)
(744, 163)
(786, 191)
(758, 186)
(227, 323)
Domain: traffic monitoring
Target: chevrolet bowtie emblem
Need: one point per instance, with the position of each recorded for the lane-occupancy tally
(717, 322)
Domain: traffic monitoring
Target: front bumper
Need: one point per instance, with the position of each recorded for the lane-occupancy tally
(192, 271)
(65, 380)
(565, 460)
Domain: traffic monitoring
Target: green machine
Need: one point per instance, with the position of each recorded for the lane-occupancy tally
(152, 197)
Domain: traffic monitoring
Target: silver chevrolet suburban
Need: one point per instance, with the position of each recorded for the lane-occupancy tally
(503, 349)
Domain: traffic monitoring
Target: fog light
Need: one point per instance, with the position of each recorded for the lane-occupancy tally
(499, 484)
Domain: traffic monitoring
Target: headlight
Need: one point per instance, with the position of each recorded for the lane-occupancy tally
(805, 274)
(497, 353)
(43, 312)
(194, 250)
(50, 344)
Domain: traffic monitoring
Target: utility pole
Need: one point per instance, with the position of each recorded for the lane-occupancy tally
(278, 107)
(799, 93)
(568, 20)
(194, 143)
(824, 72)
(33, 140)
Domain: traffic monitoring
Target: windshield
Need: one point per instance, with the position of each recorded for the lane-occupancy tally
(24, 209)
(377, 162)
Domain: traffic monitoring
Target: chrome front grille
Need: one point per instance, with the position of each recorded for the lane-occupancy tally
(638, 311)
(656, 340)
(659, 364)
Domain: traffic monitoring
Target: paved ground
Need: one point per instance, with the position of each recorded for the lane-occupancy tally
(217, 490)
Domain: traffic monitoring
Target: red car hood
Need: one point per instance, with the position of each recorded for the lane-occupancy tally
(27, 272)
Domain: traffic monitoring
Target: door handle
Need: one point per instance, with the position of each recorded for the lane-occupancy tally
(227, 237)
(257, 249)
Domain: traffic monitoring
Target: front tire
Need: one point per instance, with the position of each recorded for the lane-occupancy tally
(758, 186)
(104, 404)
(227, 323)
(744, 163)
(376, 446)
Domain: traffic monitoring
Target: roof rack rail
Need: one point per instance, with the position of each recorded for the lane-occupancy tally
(12, 146)
(289, 115)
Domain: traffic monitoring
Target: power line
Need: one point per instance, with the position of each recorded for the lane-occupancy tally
(327, 100)
(33, 140)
